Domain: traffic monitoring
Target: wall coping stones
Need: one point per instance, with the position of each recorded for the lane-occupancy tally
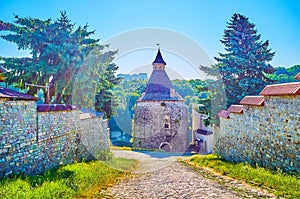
(84, 116)
(282, 89)
(253, 100)
(54, 107)
(236, 109)
(297, 76)
(15, 95)
(224, 114)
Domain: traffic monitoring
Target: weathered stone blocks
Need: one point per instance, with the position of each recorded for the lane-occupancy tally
(267, 136)
(161, 122)
(32, 142)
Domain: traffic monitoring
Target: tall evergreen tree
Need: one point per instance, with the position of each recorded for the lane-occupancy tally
(57, 50)
(79, 70)
(246, 61)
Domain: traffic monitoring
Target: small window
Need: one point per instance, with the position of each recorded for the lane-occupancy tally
(167, 126)
(167, 121)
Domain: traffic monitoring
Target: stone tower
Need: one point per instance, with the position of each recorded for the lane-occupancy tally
(161, 117)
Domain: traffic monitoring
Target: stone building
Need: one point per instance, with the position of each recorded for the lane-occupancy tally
(161, 117)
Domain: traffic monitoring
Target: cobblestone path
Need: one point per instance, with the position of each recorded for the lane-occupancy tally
(161, 176)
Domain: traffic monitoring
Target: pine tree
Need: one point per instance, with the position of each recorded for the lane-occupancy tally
(244, 65)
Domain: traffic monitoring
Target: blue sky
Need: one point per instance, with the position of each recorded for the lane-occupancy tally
(201, 21)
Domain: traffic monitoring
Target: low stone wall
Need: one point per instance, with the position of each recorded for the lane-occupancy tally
(32, 142)
(266, 135)
(93, 138)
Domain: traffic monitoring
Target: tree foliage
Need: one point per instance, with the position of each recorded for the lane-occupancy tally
(183, 87)
(126, 93)
(284, 75)
(59, 51)
(94, 83)
(243, 67)
(210, 97)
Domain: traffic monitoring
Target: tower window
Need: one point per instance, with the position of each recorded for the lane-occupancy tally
(167, 121)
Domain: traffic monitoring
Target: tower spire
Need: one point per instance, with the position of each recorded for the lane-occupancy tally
(159, 61)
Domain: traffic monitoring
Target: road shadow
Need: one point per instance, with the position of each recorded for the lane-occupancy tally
(161, 154)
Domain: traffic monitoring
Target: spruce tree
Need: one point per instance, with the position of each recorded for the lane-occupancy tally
(243, 66)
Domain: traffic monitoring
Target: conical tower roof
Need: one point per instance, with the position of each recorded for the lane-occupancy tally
(159, 59)
(159, 86)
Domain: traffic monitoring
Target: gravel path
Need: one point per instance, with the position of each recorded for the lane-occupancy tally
(160, 176)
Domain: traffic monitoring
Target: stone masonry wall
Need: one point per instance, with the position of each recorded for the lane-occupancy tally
(17, 135)
(94, 137)
(149, 125)
(266, 135)
(32, 142)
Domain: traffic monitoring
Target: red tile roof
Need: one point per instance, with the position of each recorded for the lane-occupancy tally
(224, 114)
(297, 76)
(282, 89)
(12, 94)
(253, 100)
(235, 109)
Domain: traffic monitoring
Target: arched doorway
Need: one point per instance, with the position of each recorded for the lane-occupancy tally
(165, 146)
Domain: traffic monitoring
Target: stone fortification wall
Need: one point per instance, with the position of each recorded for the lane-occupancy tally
(94, 138)
(32, 142)
(266, 135)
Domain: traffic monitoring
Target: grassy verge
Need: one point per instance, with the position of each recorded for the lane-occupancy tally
(281, 184)
(76, 180)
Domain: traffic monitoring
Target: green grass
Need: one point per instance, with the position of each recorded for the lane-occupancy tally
(281, 184)
(76, 180)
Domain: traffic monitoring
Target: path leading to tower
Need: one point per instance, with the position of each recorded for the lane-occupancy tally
(160, 176)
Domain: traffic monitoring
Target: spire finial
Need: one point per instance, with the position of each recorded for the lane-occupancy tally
(158, 46)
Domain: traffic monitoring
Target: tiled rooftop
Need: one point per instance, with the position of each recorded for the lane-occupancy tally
(15, 95)
(236, 109)
(224, 114)
(282, 89)
(297, 76)
(253, 100)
